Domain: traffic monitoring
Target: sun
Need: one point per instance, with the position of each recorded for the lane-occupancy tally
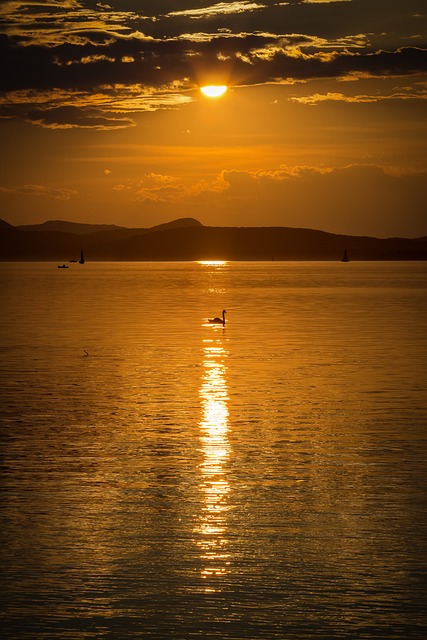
(214, 90)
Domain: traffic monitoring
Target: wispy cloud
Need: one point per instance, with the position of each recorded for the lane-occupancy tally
(221, 8)
(40, 190)
(167, 189)
(317, 98)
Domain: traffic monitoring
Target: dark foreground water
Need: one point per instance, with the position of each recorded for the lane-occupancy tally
(164, 478)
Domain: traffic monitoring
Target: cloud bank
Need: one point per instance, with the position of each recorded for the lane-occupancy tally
(110, 61)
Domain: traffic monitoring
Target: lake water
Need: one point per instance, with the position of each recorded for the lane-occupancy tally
(165, 478)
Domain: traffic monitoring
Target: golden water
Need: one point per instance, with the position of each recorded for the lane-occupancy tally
(166, 478)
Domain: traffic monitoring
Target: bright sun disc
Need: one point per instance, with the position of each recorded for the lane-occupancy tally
(214, 90)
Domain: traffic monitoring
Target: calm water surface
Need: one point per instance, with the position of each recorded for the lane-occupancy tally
(258, 481)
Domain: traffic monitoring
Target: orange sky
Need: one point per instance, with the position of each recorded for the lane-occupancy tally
(323, 124)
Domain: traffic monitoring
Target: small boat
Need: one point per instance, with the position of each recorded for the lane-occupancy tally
(218, 320)
(345, 257)
(82, 258)
(73, 260)
(63, 266)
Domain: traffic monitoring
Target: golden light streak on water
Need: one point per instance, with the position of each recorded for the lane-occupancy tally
(214, 487)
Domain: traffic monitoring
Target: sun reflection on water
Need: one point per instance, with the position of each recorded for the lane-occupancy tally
(214, 487)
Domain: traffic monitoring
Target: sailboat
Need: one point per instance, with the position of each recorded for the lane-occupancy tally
(82, 258)
(345, 257)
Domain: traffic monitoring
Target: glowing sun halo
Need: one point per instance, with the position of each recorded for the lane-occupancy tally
(214, 90)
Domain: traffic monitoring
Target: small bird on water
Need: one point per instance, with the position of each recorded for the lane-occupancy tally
(218, 320)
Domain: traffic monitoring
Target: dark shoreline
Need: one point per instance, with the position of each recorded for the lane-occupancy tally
(188, 240)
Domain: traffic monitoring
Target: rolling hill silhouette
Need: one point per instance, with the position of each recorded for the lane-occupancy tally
(188, 239)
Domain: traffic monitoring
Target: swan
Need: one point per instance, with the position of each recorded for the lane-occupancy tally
(218, 320)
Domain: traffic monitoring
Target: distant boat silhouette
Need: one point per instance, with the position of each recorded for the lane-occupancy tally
(73, 260)
(62, 266)
(345, 257)
(218, 320)
(82, 258)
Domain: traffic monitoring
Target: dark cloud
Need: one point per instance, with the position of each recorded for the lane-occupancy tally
(251, 59)
(103, 87)
(386, 18)
(158, 33)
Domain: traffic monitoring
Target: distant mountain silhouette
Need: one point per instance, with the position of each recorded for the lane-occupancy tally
(188, 239)
(68, 227)
(82, 228)
(5, 225)
(177, 224)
